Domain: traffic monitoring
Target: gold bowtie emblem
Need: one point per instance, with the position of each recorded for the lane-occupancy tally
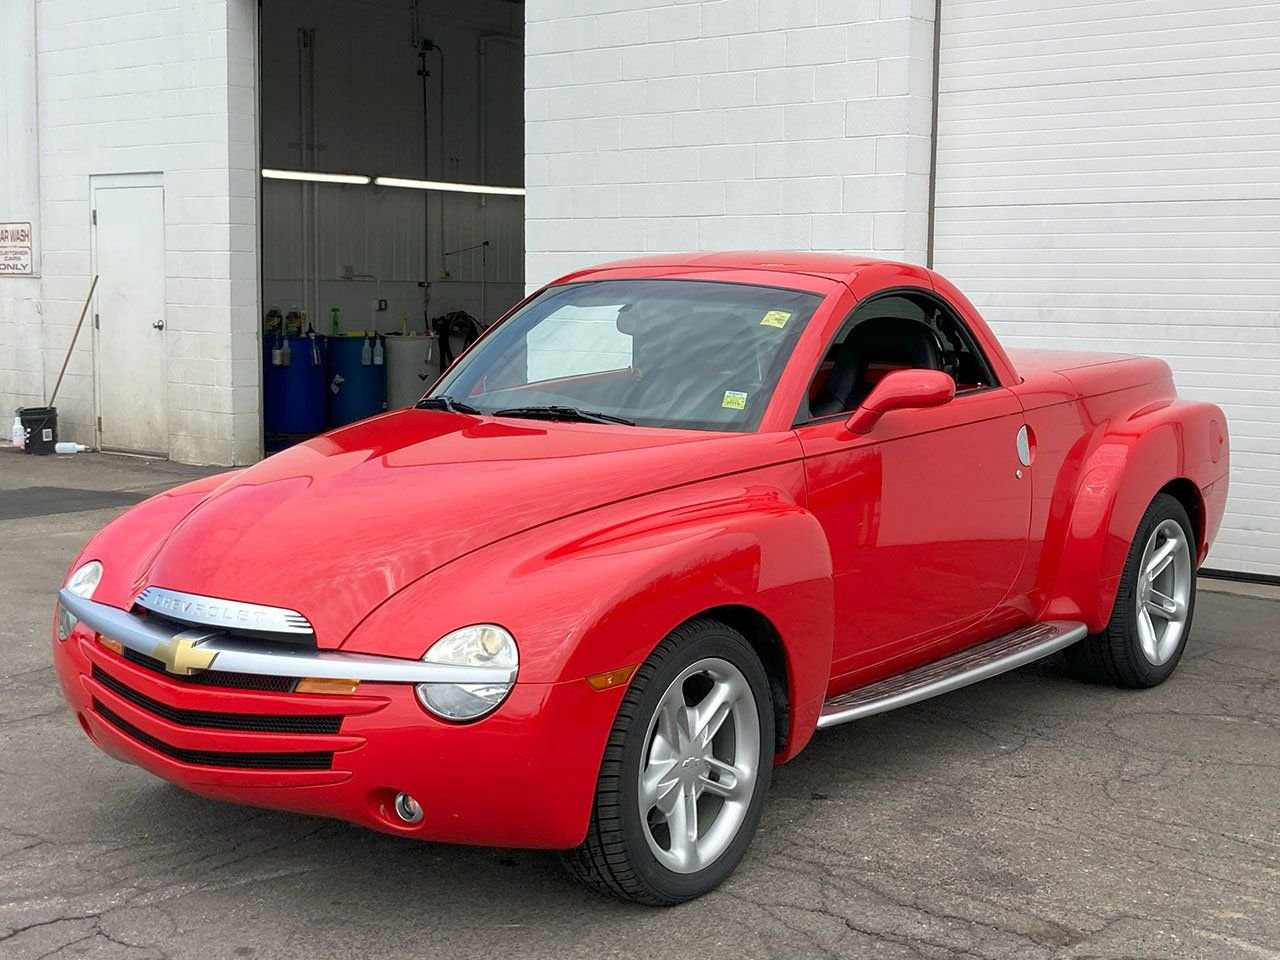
(180, 655)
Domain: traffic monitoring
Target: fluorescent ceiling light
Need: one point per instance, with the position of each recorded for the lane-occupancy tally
(448, 187)
(310, 177)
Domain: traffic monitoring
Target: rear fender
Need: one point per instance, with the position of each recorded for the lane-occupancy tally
(596, 592)
(1129, 462)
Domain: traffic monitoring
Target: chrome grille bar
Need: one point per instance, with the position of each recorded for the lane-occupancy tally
(232, 655)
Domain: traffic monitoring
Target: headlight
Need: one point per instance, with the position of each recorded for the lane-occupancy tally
(85, 580)
(82, 583)
(481, 645)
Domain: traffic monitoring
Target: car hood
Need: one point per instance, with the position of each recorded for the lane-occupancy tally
(334, 526)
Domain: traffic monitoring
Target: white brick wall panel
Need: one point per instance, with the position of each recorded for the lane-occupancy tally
(785, 85)
(852, 11)
(727, 90)
(843, 157)
(814, 121)
(620, 29)
(817, 45)
(593, 66)
(761, 131)
(674, 23)
(726, 163)
(671, 95)
(722, 18)
(747, 197)
(708, 55)
(757, 51)
(1107, 181)
(649, 60)
(657, 130)
(701, 128)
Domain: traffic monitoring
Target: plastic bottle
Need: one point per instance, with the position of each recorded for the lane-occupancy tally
(366, 353)
(377, 351)
(274, 323)
(333, 315)
(286, 355)
(18, 435)
(276, 351)
(65, 446)
(293, 323)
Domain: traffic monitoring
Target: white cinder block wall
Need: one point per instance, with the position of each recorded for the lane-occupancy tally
(725, 124)
(130, 86)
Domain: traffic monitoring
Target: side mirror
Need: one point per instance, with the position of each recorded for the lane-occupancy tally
(901, 390)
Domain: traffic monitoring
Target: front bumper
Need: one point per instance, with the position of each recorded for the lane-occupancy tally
(524, 776)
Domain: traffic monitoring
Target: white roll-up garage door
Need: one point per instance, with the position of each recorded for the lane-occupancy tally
(1109, 179)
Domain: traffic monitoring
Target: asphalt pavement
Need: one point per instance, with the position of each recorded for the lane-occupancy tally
(1026, 817)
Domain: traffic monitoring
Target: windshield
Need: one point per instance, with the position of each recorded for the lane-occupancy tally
(692, 354)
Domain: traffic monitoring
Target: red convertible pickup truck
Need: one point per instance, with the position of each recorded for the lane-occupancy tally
(661, 524)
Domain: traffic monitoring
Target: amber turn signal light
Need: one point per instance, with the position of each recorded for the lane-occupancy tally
(115, 646)
(326, 685)
(611, 678)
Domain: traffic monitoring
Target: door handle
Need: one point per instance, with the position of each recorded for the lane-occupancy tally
(158, 325)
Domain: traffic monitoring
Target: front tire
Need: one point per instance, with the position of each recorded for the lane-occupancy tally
(685, 771)
(1148, 630)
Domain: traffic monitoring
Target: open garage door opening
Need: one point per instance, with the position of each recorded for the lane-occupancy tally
(392, 224)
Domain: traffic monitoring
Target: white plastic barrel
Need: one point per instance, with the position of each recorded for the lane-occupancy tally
(408, 372)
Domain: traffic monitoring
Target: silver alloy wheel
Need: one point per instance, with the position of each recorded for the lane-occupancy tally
(1163, 595)
(700, 765)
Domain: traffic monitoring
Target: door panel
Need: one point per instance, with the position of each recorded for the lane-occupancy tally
(928, 521)
(129, 251)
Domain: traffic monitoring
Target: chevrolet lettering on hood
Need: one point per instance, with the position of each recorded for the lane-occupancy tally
(211, 612)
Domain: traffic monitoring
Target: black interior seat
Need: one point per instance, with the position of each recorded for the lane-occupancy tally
(894, 341)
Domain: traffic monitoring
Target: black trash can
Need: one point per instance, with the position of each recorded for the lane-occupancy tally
(41, 427)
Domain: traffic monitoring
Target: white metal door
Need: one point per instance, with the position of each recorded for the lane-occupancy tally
(1107, 180)
(132, 376)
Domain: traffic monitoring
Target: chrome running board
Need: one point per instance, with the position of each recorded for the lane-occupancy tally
(1004, 653)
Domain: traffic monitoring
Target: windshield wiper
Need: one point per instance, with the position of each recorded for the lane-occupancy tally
(444, 402)
(553, 412)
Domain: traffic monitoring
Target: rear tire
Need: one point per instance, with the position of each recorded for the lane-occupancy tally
(667, 774)
(1148, 630)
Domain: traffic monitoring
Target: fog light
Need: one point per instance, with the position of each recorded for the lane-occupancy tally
(408, 809)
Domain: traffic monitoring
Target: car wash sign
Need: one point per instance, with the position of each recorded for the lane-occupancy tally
(15, 250)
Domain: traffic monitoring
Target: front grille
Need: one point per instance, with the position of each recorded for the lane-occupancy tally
(313, 760)
(215, 678)
(253, 722)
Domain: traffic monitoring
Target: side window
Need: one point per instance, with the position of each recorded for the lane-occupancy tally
(893, 332)
(575, 341)
(961, 356)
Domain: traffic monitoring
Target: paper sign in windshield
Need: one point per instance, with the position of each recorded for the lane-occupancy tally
(734, 400)
(775, 318)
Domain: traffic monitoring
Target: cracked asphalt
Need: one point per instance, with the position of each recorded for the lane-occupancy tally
(1026, 817)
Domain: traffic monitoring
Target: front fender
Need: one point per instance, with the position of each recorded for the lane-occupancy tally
(599, 590)
(128, 544)
(1098, 509)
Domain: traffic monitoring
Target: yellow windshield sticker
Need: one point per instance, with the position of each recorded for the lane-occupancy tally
(775, 318)
(734, 400)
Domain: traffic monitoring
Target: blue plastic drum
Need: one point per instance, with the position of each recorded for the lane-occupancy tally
(293, 396)
(355, 390)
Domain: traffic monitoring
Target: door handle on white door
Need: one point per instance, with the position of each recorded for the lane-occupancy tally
(159, 325)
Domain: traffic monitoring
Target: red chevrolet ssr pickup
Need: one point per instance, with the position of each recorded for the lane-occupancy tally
(659, 525)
